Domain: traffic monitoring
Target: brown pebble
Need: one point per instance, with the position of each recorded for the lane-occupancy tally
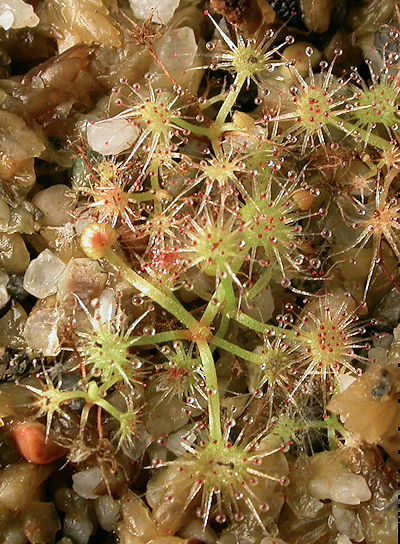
(234, 10)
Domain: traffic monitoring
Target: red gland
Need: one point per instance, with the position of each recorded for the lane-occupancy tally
(30, 439)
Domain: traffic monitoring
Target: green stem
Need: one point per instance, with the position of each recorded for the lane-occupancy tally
(145, 196)
(229, 294)
(228, 127)
(160, 338)
(71, 395)
(264, 328)
(214, 305)
(172, 305)
(92, 396)
(219, 125)
(262, 282)
(210, 101)
(194, 129)
(237, 351)
(332, 426)
(368, 138)
(223, 327)
(155, 184)
(230, 100)
(105, 386)
(166, 301)
(214, 406)
(108, 407)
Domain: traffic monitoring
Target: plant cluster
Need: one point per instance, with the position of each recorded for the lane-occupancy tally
(223, 227)
(249, 228)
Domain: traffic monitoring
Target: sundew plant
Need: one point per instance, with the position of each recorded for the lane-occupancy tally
(243, 229)
(244, 249)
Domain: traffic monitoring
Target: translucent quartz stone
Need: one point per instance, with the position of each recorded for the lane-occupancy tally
(56, 204)
(4, 296)
(86, 481)
(160, 11)
(17, 14)
(40, 331)
(177, 49)
(42, 274)
(111, 136)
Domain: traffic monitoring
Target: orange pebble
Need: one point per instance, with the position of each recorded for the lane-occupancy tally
(30, 439)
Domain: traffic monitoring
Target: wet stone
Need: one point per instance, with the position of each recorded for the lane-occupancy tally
(160, 12)
(4, 296)
(56, 205)
(15, 287)
(82, 278)
(42, 274)
(40, 331)
(17, 14)
(111, 136)
(14, 256)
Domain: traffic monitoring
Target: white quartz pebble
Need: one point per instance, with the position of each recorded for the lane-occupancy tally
(177, 49)
(107, 511)
(42, 274)
(56, 203)
(347, 522)
(111, 136)
(4, 296)
(17, 14)
(40, 331)
(79, 527)
(195, 529)
(344, 487)
(343, 539)
(160, 11)
(86, 481)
